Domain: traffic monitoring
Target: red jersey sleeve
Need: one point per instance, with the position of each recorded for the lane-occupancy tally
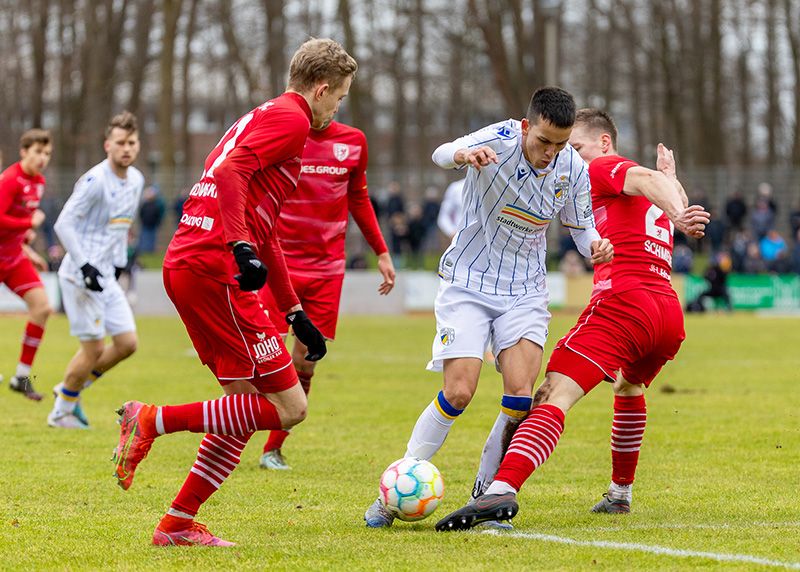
(280, 136)
(607, 174)
(233, 181)
(8, 190)
(278, 279)
(360, 206)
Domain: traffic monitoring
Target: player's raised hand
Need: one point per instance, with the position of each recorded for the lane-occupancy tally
(665, 161)
(307, 332)
(479, 157)
(602, 251)
(386, 268)
(692, 221)
(252, 272)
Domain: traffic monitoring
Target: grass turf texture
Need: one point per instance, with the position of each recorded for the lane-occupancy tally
(718, 470)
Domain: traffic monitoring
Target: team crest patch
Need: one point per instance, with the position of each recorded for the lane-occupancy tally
(447, 336)
(341, 151)
(561, 185)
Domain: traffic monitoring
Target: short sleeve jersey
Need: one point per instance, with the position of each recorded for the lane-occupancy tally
(641, 233)
(20, 194)
(275, 132)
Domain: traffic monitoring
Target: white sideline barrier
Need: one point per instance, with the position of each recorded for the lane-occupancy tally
(414, 291)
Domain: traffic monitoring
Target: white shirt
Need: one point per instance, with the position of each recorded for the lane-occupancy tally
(93, 225)
(500, 247)
(450, 209)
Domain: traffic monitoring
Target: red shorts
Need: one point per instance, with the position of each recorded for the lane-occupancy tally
(635, 332)
(320, 300)
(230, 331)
(21, 277)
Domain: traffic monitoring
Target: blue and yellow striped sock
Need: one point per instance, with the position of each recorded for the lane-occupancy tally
(94, 376)
(432, 428)
(516, 406)
(66, 400)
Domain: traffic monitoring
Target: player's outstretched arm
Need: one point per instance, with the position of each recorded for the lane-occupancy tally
(665, 162)
(662, 192)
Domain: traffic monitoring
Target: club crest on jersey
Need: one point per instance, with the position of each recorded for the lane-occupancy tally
(447, 336)
(505, 133)
(521, 219)
(341, 151)
(561, 185)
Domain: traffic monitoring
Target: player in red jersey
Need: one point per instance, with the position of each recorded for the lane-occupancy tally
(312, 229)
(21, 188)
(632, 326)
(219, 257)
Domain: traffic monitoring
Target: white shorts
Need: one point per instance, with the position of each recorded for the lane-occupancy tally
(467, 320)
(92, 315)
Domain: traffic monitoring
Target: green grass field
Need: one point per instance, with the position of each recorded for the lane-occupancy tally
(719, 471)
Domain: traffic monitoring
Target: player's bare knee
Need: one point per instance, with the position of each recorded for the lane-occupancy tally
(127, 347)
(40, 313)
(292, 414)
(627, 389)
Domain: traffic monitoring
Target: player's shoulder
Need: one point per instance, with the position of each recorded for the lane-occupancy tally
(610, 165)
(94, 177)
(501, 136)
(135, 176)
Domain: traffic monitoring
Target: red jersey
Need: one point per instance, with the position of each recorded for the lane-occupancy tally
(313, 222)
(641, 233)
(246, 179)
(20, 195)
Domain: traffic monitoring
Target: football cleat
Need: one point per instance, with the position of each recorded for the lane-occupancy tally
(491, 524)
(136, 436)
(23, 384)
(612, 506)
(377, 516)
(65, 421)
(196, 535)
(273, 460)
(485, 508)
(78, 411)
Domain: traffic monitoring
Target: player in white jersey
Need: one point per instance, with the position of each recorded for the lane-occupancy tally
(450, 209)
(93, 227)
(493, 274)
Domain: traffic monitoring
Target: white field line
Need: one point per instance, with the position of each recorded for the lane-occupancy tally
(684, 526)
(651, 549)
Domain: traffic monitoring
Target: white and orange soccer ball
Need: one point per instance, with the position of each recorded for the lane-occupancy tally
(411, 488)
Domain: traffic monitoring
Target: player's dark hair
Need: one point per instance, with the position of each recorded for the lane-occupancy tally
(552, 104)
(597, 120)
(33, 136)
(318, 60)
(125, 120)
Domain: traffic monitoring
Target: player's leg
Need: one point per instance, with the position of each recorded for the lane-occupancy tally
(520, 367)
(532, 444)
(25, 282)
(68, 392)
(627, 431)
(272, 456)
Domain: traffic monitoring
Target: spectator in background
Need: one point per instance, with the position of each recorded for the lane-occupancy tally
(416, 234)
(796, 253)
(682, 259)
(395, 203)
(430, 214)
(741, 239)
(398, 236)
(572, 264)
(773, 250)
(177, 205)
(715, 233)
(753, 263)
(717, 277)
(794, 219)
(450, 209)
(151, 214)
(762, 219)
(765, 193)
(736, 210)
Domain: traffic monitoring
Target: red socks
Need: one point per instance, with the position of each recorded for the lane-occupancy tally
(240, 414)
(627, 430)
(532, 444)
(216, 459)
(30, 343)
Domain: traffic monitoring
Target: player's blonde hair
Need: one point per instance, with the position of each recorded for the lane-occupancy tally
(599, 121)
(124, 120)
(33, 136)
(320, 60)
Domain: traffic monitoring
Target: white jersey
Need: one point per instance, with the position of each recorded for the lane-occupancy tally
(450, 209)
(93, 225)
(500, 246)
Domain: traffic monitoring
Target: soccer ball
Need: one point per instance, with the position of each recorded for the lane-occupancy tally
(411, 488)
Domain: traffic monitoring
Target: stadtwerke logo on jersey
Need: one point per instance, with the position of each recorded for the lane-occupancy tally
(521, 219)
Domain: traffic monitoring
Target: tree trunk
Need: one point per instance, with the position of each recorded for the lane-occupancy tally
(166, 104)
(141, 53)
(276, 44)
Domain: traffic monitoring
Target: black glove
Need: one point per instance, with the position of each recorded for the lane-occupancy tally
(90, 276)
(118, 272)
(307, 333)
(252, 272)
